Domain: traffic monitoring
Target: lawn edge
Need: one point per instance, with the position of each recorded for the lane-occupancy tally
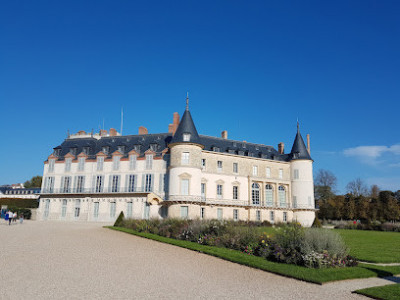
(242, 259)
(362, 291)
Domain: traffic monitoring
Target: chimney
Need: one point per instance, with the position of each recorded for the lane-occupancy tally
(81, 132)
(143, 130)
(103, 132)
(281, 148)
(224, 134)
(170, 128)
(308, 144)
(175, 123)
(113, 132)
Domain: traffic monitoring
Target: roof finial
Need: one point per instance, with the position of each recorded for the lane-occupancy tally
(187, 100)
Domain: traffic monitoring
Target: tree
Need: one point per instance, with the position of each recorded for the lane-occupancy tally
(35, 182)
(324, 184)
(357, 188)
(375, 191)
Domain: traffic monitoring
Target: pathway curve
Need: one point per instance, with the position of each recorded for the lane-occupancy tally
(60, 260)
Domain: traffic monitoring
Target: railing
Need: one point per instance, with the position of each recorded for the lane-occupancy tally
(98, 191)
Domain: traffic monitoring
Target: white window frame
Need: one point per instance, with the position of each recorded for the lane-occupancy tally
(255, 194)
(185, 159)
(220, 214)
(131, 183)
(184, 212)
(220, 189)
(258, 215)
(268, 172)
(285, 217)
(149, 161)
(77, 210)
(203, 190)
(186, 137)
(219, 166)
(282, 196)
(235, 168)
(255, 170)
(116, 160)
(148, 182)
(96, 208)
(280, 173)
(202, 212)
(64, 207)
(132, 162)
(129, 209)
(81, 164)
(68, 162)
(185, 187)
(235, 192)
(296, 174)
(203, 164)
(235, 214)
(113, 209)
(272, 216)
(100, 163)
(51, 165)
(115, 183)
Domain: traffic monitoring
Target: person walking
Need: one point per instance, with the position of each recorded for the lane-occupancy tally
(10, 217)
(21, 218)
(15, 216)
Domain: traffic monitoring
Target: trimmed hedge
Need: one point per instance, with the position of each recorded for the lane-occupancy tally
(20, 203)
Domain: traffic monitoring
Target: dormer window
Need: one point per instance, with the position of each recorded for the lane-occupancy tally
(73, 151)
(105, 150)
(57, 152)
(216, 149)
(121, 149)
(241, 152)
(86, 150)
(186, 137)
(137, 148)
(153, 147)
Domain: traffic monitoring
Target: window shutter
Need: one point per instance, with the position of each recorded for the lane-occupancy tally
(127, 185)
(110, 183)
(45, 187)
(143, 182)
(152, 183)
(62, 184)
(83, 183)
(94, 183)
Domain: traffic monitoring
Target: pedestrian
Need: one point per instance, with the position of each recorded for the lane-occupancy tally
(10, 217)
(6, 216)
(21, 218)
(15, 216)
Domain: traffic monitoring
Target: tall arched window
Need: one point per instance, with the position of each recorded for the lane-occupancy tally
(269, 195)
(255, 193)
(282, 196)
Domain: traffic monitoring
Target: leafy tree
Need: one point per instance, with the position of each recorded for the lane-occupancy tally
(375, 191)
(35, 182)
(357, 188)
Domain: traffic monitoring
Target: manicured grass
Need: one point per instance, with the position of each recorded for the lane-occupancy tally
(386, 292)
(372, 246)
(311, 275)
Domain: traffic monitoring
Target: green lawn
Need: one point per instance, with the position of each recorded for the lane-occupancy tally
(311, 275)
(372, 246)
(386, 292)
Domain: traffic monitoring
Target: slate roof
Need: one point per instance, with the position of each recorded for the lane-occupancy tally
(299, 149)
(186, 125)
(160, 141)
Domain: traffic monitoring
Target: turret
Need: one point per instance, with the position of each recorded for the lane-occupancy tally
(185, 162)
(302, 182)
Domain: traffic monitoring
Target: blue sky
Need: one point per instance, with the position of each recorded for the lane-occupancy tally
(250, 67)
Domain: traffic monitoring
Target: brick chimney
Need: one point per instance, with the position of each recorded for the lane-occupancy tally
(281, 148)
(103, 132)
(113, 132)
(175, 122)
(308, 144)
(143, 130)
(224, 134)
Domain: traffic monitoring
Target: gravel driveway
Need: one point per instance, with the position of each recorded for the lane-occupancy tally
(60, 260)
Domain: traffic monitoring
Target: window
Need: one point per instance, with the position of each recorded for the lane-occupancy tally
(77, 208)
(51, 165)
(219, 166)
(100, 162)
(148, 187)
(184, 212)
(219, 191)
(46, 209)
(235, 168)
(66, 184)
(185, 187)
(296, 174)
(219, 213)
(186, 137)
(96, 210)
(153, 147)
(112, 209)
(255, 170)
(203, 164)
(161, 183)
(280, 173)
(129, 210)
(216, 149)
(149, 162)
(73, 151)
(131, 183)
(269, 195)
(86, 150)
(105, 150)
(294, 201)
(235, 192)
(115, 184)
(282, 196)
(258, 215)
(116, 160)
(132, 162)
(255, 193)
(202, 212)
(99, 184)
(80, 184)
(68, 162)
(203, 190)
(235, 214)
(146, 211)
(49, 185)
(185, 158)
(268, 172)
(309, 201)
(271, 216)
(64, 208)
(284, 216)
(137, 148)
(81, 164)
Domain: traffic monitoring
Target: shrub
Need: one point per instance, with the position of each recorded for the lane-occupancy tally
(317, 223)
(320, 240)
(119, 220)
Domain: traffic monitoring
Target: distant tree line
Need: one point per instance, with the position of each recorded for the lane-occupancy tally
(359, 202)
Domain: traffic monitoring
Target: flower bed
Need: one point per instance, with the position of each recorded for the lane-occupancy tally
(291, 244)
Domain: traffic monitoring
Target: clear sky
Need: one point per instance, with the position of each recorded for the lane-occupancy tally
(250, 67)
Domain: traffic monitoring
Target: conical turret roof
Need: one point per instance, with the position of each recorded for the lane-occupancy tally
(186, 131)
(299, 149)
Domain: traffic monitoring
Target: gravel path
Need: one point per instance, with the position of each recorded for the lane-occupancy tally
(57, 260)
